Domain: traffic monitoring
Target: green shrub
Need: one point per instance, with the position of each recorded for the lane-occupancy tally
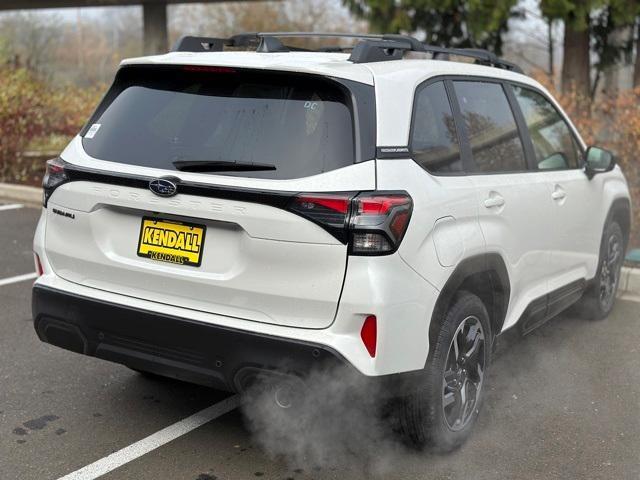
(23, 116)
(31, 113)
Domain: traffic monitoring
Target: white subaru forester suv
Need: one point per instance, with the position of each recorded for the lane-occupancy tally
(226, 215)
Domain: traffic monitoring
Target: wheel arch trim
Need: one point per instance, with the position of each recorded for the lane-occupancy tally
(620, 209)
(491, 264)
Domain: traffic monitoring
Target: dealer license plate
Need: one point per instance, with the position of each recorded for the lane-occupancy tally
(171, 241)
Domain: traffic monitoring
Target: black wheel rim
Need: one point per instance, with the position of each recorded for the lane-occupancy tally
(463, 374)
(610, 271)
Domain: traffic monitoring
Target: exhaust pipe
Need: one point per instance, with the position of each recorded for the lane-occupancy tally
(285, 389)
(284, 395)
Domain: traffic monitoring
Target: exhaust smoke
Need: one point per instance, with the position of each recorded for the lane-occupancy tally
(337, 419)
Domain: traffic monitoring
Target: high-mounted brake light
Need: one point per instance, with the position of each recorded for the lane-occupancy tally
(53, 178)
(373, 223)
(209, 69)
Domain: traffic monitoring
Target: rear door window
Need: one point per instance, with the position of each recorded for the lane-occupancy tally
(434, 141)
(491, 127)
(301, 125)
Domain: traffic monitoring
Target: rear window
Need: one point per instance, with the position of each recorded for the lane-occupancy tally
(435, 141)
(300, 125)
(491, 127)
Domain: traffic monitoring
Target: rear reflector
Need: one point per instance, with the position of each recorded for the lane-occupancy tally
(369, 334)
(39, 269)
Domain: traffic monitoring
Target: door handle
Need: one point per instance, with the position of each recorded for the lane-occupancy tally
(558, 193)
(494, 201)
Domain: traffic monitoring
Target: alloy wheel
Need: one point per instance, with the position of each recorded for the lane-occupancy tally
(610, 271)
(463, 375)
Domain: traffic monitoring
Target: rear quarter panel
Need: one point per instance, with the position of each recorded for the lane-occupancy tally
(444, 226)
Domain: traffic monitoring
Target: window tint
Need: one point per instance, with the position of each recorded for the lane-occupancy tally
(491, 127)
(553, 143)
(435, 142)
(153, 117)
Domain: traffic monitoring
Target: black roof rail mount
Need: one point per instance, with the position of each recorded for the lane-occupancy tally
(370, 48)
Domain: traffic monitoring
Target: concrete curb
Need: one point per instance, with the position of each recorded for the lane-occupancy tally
(630, 280)
(31, 196)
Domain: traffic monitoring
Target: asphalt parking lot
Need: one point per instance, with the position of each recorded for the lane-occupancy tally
(563, 403)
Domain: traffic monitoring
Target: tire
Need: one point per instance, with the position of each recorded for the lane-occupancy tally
(425, 420)
(599, 298)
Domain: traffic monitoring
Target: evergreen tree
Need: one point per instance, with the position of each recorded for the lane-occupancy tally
(449, 23)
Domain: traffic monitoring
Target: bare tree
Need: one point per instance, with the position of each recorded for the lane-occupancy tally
(225, 19)
(30, 39)
(636, 69)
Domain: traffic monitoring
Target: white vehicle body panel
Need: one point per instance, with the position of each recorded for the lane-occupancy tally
(330, 64)
(579, 219)
(519, 232)
(436, 198)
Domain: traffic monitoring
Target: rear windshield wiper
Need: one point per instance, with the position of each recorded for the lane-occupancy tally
(220, 166)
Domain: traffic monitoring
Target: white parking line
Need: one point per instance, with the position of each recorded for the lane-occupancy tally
(12, 206)
(18, 278)
(153, 441)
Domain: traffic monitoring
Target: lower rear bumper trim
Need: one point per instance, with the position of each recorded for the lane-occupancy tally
(167, 345)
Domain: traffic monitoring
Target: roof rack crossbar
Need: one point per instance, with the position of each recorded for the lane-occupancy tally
(262, 43)
(370, 48)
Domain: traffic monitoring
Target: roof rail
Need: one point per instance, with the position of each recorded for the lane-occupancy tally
(392, 48)
(370, 48)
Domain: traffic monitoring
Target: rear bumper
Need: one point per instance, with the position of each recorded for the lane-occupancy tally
(197, 352)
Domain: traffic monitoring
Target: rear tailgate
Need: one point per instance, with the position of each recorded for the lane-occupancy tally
(246, 255)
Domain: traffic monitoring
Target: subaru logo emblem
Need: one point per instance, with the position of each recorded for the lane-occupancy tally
(163, 187)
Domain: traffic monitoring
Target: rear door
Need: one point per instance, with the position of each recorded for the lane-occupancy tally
(239, 146)
(514, 202)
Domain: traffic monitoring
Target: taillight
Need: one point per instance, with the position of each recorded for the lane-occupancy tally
(329, 210)
(378, 222)
(53, 178)
(373, 223)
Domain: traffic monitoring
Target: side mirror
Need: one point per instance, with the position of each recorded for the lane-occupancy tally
(598, 160)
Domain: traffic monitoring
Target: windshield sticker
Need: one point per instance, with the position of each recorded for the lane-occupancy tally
(93, 130)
